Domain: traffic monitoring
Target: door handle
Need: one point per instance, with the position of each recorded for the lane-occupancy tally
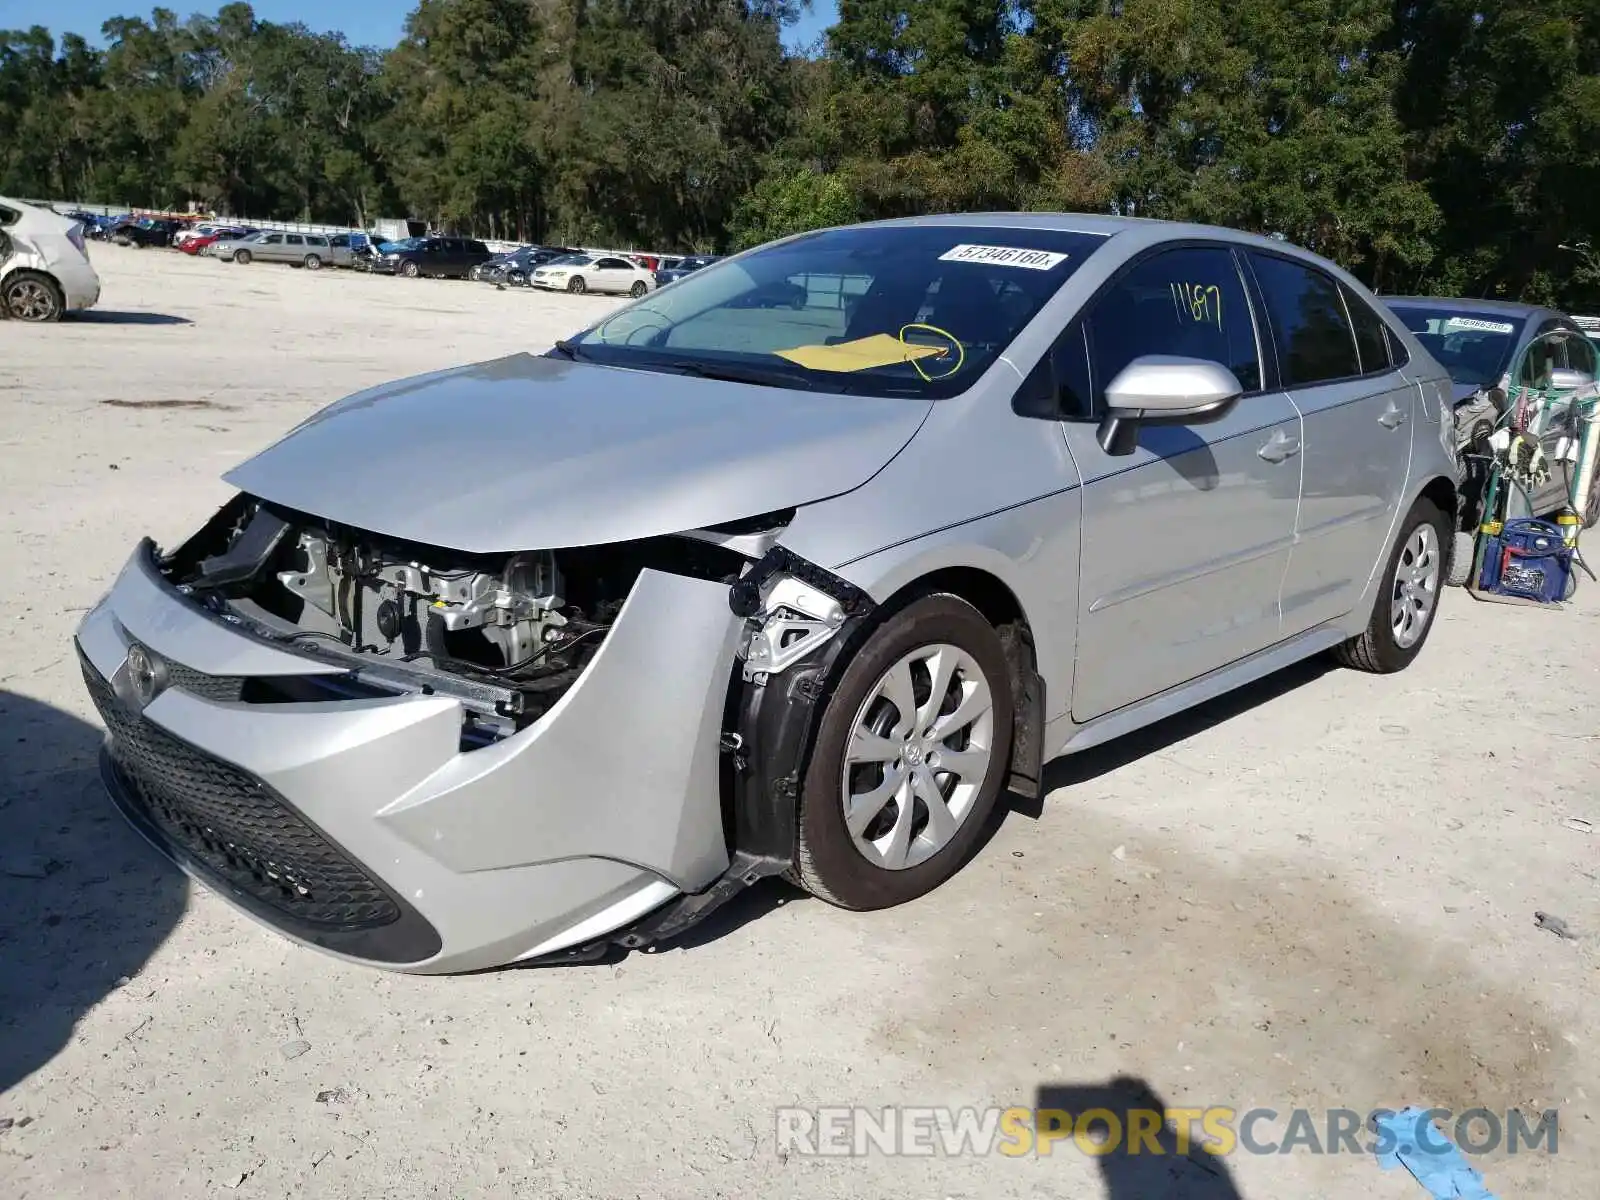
(1392, 417)
(1279, 447)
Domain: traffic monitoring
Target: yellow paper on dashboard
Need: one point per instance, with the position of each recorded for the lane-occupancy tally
(863, 354)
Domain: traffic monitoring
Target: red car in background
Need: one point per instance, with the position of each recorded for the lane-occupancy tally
(197, 245)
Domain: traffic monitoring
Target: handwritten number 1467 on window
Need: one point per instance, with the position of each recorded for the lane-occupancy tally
(1198, 303)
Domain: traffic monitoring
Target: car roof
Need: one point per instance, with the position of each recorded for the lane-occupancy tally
(1461, 304)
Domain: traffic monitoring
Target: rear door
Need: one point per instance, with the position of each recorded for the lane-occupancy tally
(1334, 359)
(293, 248)
(612, 275)
(1185, 541)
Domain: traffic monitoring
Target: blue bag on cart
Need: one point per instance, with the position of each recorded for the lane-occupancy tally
(1527, 559)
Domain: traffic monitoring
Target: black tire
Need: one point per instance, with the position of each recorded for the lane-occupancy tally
(410, 269)
(242, 257)
(1377, 650)
(577, 286)
(313, 263)
(828, 864)
(516, 278)
(32, 297)
(1462, 555)
(638, 289)
(1591, 508)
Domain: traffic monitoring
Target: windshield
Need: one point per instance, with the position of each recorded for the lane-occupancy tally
(570, 260)
(909, 310)
(402, 244)
(1474, 347)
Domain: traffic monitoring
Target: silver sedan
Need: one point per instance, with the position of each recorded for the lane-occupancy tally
(789, 568)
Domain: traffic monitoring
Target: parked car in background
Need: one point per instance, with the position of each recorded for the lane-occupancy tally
(714, 592)
(1480, 343)
(1590, 326)
(685, 266)
(309, 250)
(438, 257)
(145, 231)
(581, 273)
(218, 233)
(44, 264)
(513, 269)
(345, 248)
(201, 229)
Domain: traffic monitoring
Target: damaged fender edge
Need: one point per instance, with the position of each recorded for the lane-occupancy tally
(800, 619)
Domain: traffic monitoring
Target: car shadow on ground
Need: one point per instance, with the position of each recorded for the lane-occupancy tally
(1071, 770)
(1160, 1166)
(84, 901)
(105, 316)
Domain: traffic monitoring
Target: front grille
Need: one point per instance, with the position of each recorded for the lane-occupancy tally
(216, 688)
(236, 827)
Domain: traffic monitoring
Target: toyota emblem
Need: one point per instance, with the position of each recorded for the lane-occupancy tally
(146, 676)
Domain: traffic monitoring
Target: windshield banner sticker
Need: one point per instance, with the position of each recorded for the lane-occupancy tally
(1004, 256)
(1481, 326)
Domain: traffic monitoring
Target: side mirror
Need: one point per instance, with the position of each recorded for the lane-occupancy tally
(1159, 389)
(1568, 379)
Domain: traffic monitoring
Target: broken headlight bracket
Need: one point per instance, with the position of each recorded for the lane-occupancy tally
(796, 612)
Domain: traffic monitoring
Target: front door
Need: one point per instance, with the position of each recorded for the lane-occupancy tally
(1335, 360)
(1185, 541)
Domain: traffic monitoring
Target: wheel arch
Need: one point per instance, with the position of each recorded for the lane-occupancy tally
(980, 576)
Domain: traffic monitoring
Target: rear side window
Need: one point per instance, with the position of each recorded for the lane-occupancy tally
(1313, 335)
(293, 239)
(317, 241)
(1372, 339)
(1188, 302)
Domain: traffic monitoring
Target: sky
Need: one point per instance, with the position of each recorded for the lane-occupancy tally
(364, 22)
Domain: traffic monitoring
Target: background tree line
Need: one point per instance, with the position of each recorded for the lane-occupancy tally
(1451, 145)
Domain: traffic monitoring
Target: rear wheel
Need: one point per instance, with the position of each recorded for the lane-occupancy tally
(313, 263)
(242, 257)
(638, 289)
(577, 286)
(1408, 597)
(32, 297)
(910, 755)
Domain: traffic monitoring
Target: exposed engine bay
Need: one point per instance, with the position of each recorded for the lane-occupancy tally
(505, 633)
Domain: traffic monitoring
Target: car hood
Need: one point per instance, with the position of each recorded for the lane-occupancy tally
(526, 452)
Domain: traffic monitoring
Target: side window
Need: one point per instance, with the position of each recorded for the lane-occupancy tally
(1188, 302)
(319, 242)
(612, 264)
(1372, 342)
(1314, 338)
(1581, 355)
(1070, 360)
(273, 239)
(1542, 358)
(294, 239)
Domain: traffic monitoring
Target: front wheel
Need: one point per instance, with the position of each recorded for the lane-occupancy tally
(34, 298)
(410, 270)
(911, 753)
(313, 263)
(1408, 595)
(242, 257)
(638, 289)
(577, 286)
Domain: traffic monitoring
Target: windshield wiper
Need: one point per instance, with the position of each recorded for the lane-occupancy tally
(566, 349)
(761, 376)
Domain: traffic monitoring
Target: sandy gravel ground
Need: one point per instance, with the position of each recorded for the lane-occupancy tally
(1318, 893)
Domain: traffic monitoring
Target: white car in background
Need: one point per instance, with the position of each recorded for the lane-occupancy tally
(579, 273)
(44, 264)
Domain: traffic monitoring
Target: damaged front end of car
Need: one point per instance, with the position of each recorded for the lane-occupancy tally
(386, 749)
